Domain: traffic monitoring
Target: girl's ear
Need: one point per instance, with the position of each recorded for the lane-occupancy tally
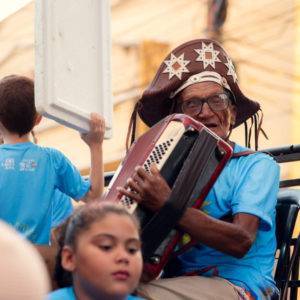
(68, 259)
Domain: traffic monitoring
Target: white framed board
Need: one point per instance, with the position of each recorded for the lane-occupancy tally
(72, 61)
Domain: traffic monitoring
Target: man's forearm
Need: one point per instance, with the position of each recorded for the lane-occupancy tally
(229, 238)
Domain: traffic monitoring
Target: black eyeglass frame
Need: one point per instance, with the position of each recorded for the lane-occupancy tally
(207, 100)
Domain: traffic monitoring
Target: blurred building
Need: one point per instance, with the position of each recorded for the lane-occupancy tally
(261, 36)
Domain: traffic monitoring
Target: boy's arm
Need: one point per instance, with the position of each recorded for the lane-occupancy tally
(94, 139)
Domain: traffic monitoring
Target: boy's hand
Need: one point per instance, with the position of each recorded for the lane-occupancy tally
(94, 139)
(96, 134)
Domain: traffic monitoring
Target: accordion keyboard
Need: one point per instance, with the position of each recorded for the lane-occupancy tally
(159, 155)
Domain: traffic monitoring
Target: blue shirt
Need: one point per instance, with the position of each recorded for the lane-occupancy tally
(29, 176)
(248, 184)
(68, 294)
(62, 208)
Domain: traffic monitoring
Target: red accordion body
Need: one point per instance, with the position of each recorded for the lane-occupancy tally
(190, 158)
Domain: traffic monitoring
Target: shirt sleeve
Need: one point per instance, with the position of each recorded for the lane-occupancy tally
(257, 188)
(68, 179)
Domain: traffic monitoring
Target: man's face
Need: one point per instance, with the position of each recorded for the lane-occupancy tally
(218, 121)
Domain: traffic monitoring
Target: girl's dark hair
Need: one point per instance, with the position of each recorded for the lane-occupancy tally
(81, 220)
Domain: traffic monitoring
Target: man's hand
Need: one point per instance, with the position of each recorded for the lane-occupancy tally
(148, 189)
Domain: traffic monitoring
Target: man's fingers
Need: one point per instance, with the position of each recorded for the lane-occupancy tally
(137, 179)
(131, 194)
(140, 171)
(134, 185)
(154, 170)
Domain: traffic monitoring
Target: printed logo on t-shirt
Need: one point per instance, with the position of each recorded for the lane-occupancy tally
(8, 164)
(26, 230)
(28, 165)
(21, 227)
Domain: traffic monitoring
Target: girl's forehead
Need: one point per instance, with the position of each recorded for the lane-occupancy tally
(113, 224)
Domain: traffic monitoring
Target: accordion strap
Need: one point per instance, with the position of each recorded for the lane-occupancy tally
(243, 153)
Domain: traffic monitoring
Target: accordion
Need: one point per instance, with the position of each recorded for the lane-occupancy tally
(190, 158)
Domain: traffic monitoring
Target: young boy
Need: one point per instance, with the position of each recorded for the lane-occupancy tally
(30, 174)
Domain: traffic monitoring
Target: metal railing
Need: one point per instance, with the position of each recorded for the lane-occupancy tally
(283, 155)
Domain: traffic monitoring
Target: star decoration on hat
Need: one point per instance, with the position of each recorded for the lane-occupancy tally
(208, 55)
(176, 66)
(231, 70)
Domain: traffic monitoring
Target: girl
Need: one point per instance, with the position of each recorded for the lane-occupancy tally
(102, 252)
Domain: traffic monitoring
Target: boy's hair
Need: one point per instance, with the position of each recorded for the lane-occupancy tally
(81, 220)
(17, 108)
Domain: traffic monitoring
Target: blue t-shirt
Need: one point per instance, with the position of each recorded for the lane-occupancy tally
(62, 208)
(29, 176)
(248, 184)
(68, 294)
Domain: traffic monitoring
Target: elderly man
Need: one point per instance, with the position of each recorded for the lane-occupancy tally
(233, 257)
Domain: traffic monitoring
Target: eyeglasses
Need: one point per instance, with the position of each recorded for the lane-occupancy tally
(216, 102)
